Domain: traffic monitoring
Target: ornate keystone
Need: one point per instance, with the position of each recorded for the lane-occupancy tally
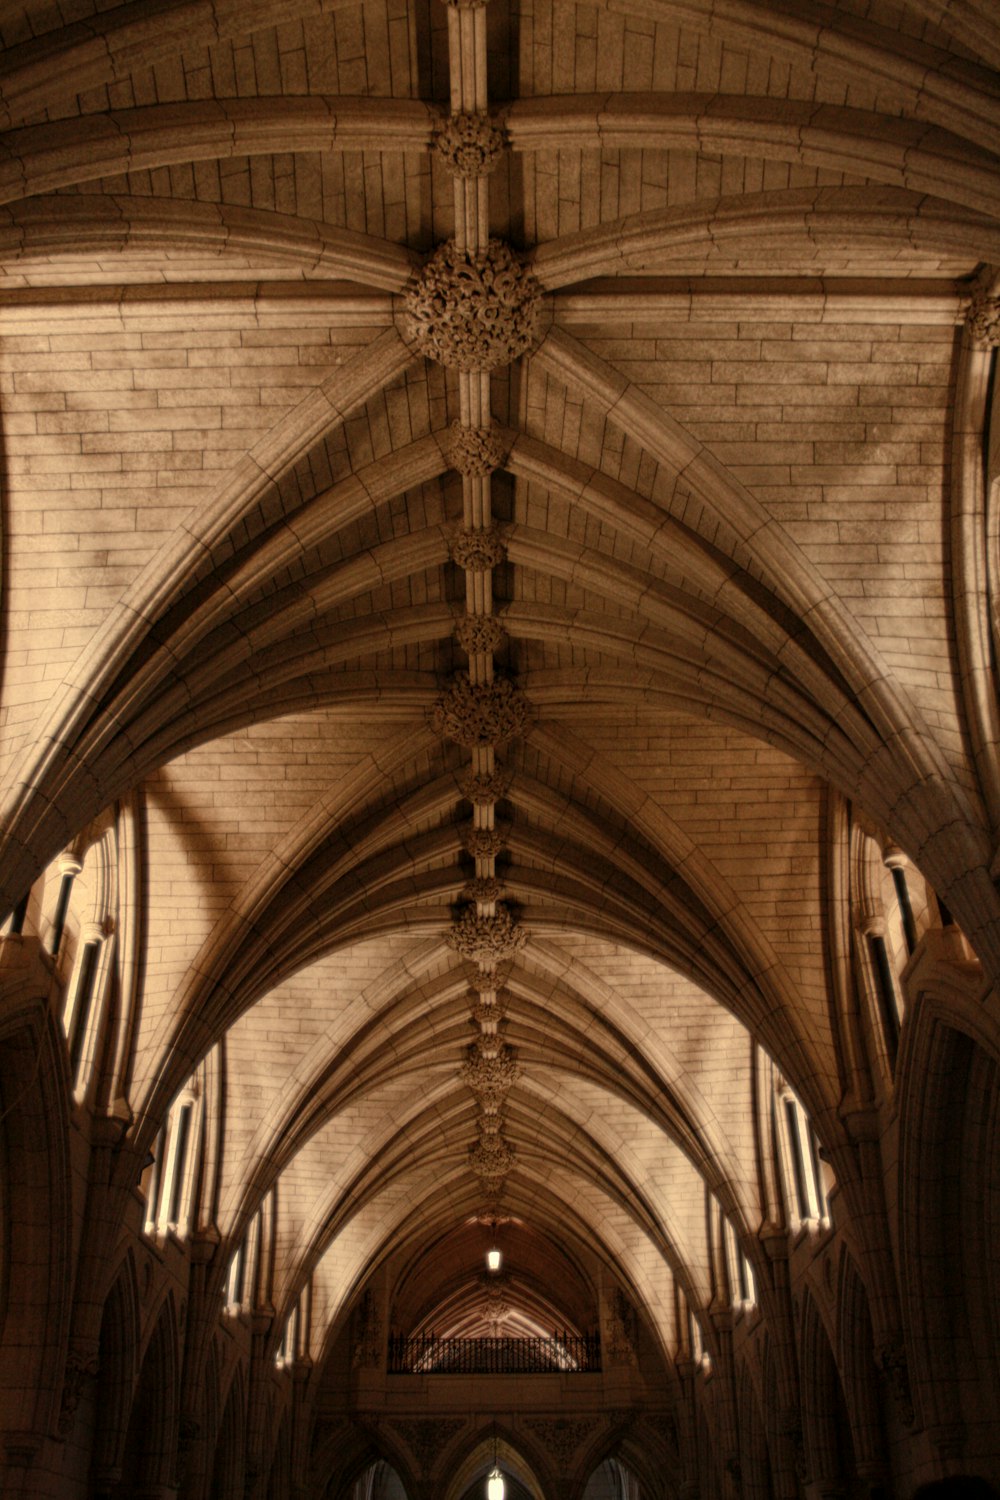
(472, 310)
(487, 938)
(490, 1078)
(474, 451)
(478, 633)
(487, 787)
(487, 983)
(484, 843)
(491, 1156)
(487, 888)
(478, 548)
(482, 713)
(488, 1015)
(469, 145)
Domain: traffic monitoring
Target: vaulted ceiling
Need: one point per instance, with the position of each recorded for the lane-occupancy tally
(687, 472)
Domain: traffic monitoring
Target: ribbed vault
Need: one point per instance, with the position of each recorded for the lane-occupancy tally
(289, 545)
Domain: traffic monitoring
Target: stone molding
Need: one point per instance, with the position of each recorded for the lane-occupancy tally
(472, 310)
(470, 145)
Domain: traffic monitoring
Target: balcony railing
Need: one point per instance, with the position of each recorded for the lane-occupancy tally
(426, 1354)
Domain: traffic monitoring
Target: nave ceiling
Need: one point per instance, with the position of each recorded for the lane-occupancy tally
(706, 520)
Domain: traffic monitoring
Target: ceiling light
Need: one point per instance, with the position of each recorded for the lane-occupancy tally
(493, 1262)
(494, 1485)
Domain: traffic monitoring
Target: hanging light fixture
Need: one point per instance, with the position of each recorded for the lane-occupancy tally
(493, 1258)
(494, 1485)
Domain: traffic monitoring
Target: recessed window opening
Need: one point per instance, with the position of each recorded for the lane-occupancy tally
(289, 1347)
(178, 1163)
(16, 921)
(79, 1014)
(807, 1209)
(905, 906)
(235, 1277)
(885, 990)
(61, 912)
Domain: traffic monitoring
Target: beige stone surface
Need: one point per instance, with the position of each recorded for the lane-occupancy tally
(666, 945)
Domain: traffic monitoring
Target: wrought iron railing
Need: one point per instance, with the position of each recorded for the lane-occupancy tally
(426, 1354)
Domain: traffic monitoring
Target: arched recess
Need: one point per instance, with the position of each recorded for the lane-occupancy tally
(829, 1446)
(754, 1457)
(948, 1100)
(150, 1447)
(462, 1474)
(230, 1447)
(118, 1360)
(863, 1388)
(279, 1480)
(612, 1480)
(35, 1202)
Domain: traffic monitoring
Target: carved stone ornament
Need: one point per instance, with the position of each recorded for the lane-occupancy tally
(486, 1015)
(477, 633)
(427, 1437)
(983, 320)
(478, 549)
(483, 938)
(483, 789)
(367, 1353)
(490, 1078)
(472, 310)
(470, 145)
(623, 1331)
(891, 1361)
(474, 451)
(488, 982)
(560, 1436)
(484, 843)
(481, 713)
(491, 1156)
(486, 889)
(79, 1369)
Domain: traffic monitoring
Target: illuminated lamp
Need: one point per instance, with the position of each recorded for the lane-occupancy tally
(494, 1485)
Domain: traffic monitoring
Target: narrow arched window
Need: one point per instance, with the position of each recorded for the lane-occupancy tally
(171, 1181)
